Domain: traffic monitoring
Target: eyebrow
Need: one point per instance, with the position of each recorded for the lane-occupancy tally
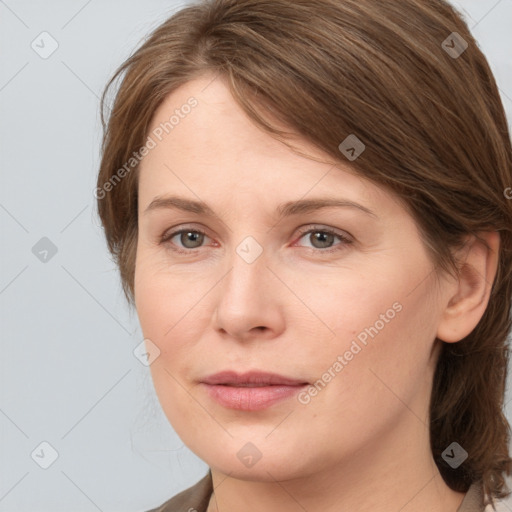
(283, 210)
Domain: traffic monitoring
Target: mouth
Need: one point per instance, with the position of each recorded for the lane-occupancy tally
(251, 379)
(251, 391)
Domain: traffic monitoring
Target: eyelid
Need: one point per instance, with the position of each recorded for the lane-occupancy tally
(320, 227)
(172, 232)
(345, 238)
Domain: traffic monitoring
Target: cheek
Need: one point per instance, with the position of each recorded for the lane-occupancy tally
(377, 323)
(172, 312)
(165, 307)
(374, 318)
(166, 299)
(379, 359)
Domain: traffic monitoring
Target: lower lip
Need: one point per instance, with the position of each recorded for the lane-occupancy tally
(250, 399)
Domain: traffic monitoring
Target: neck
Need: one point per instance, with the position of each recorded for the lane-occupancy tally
(395, 473)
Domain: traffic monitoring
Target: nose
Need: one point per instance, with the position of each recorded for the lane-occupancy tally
(249, 301)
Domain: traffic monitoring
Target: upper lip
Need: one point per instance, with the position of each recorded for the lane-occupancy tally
(253, 377)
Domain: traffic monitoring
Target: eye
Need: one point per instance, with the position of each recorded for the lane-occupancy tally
(188, 239)
(322, 238)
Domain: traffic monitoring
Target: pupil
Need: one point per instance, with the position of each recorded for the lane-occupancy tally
(190, 236)
(323, 238)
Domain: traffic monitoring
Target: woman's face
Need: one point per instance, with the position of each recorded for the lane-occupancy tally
(341, 297)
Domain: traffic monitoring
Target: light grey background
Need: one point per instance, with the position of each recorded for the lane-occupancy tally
(68, 373)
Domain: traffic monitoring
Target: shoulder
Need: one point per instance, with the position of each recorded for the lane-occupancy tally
(193, 499)
(475, 500)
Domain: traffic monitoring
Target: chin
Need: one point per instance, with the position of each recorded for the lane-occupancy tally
(244, 461)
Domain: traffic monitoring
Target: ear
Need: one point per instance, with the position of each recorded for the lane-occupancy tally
(468, 295)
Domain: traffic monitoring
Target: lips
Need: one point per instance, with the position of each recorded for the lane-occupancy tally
(251, 391)
(251, 379)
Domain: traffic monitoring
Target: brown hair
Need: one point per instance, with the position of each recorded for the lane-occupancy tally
(396, 74)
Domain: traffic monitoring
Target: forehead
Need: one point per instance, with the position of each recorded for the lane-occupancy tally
(213, 148)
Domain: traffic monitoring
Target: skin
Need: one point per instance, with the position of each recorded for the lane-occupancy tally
(362, 443)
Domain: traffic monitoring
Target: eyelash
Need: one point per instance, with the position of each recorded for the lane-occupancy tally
(166, 238)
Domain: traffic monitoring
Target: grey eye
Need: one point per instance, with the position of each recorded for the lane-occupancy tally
(323, 238)
(191, 239)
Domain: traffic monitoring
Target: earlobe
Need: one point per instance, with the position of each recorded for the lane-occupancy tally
(469, 296)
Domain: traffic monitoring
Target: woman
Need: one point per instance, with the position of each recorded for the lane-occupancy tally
(308, 205)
